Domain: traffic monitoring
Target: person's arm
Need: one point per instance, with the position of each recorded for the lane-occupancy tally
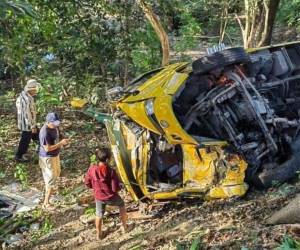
(30, 114)
(115, 183)
(88, 180)
(32, 111)
(19, 105)
(49, 148)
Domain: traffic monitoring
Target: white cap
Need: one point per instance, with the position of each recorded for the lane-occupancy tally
(32, 84)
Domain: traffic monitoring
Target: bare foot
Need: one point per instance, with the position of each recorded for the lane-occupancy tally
(102, 235)
(99, 236)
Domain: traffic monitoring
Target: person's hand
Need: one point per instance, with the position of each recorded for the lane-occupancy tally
(65, 142)
(34, 130)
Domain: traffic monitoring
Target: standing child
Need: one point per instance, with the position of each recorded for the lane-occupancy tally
(105, 184)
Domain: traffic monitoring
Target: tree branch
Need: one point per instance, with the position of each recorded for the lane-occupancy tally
(157, 26)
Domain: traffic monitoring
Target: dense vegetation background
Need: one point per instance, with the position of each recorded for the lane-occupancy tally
(79, 48)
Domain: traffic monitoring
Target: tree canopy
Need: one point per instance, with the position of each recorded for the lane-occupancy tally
(82, 47)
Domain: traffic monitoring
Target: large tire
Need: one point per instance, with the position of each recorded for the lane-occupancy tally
(280, 173)
(220, 59)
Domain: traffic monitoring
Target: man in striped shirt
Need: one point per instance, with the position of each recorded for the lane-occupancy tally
(27, 118)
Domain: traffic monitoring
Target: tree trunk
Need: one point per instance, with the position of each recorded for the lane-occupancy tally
(157, 26)
(224, 20)
(271, 7)
(259, 21)
(127, 46)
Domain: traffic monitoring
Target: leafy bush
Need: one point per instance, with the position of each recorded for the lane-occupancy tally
(93, 159)
(289, 243)
(145, 53)
(21, 174)
(289, 13)
(90, 211)
(50, 94)
(188, 32)
(194, 245)
(45, 228)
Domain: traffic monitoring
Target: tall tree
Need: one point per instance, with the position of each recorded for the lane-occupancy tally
(259, 21)
(18, 7)
(159, 29)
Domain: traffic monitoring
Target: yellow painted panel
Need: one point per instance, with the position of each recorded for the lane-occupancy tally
(198, 172)
(187, 192)
(155, 85)
(163, 195)
(145, 154)
(121, 171)
(139, 151)
(119, 161)
(219, 192)
(137, 112)
(129, 137)
(174, 132)
(175, 83)
(219, 182)
(235, 172)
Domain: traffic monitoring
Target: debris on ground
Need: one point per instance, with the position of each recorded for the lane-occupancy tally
(220, 224)
(18, 199)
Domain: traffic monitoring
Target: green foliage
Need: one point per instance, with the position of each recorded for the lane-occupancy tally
(289, 13)
(89, 127)
(2, 174)
(7, 104)
(69, 162)
(9, 154)
(284, 189)
(93, 159)
(45, 228)
(21, 174)
(37, 213)
(2, 221)
(80, 48)
(189, 32)
(71, 193)
(16, 7)
(194, 245)
(146, 51)
(77, 48)
(289, 243)
(137, 246)
(90, 211)
(50, 94)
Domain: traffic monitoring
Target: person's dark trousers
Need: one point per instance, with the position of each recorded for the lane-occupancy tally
(26, 137)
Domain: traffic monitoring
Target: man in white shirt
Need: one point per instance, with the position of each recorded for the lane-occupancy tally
(26, 110)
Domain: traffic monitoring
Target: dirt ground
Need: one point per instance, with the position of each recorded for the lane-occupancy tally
(219, 224)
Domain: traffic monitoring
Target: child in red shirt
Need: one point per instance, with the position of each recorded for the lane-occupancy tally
(105, 184)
